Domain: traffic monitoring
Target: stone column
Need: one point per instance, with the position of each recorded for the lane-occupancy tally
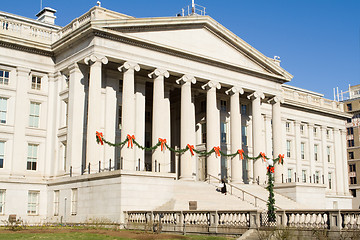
(212, 128)
(187, 125)
(159, 111)
(276, 137)
(94, 110)
(235, 133)
(258, 142)
(338, 163)
(298, 151)
(128, 113)
(18, 165)
(344, 162)
(75, 128)
(324, 154)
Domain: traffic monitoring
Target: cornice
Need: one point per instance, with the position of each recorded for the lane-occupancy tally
(25, 49)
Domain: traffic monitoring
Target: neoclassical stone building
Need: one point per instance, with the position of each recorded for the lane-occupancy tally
(185, 79)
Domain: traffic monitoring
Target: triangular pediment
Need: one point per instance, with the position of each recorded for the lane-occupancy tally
(199, 36)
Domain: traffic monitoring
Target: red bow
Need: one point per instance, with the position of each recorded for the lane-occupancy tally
(217, 151)
(130, 140)
(270, 169)
(163, 141)
(281, 158)
(241, 152)
(191, 148)
(263, 155)
(99, 137)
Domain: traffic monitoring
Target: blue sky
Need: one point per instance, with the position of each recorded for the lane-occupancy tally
(318, 41)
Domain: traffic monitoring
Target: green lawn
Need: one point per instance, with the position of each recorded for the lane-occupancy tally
(94, 236)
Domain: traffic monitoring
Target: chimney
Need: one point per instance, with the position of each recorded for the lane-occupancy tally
(47, 15)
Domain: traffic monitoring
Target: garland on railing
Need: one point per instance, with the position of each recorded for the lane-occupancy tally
(162, 143)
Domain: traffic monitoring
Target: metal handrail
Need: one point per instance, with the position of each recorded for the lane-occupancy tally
(242, 191)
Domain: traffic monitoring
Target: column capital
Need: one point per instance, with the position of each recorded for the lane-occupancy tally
(311, 125)
(186, 79)
(234, 90)
(159, 72)
(276, 99)
(22, 70)
(95, 58)
(256, 94)
(129, 65)
(73, 67)
(297, 122)
(211, 84)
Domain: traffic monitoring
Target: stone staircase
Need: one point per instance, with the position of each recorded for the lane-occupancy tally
(281, 201)
(205, 195)
(239, 197)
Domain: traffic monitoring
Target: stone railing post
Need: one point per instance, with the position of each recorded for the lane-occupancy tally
(335, 220)
(254, 219)
(214, 219)
(281, 218)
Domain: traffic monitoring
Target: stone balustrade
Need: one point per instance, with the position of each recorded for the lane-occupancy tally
(315, 99)
(237, 222)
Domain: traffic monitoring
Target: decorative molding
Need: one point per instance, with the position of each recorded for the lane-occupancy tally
(159, 72)
(129, 65)
(186, 78)
(95, 58)
(26, 49)
(211, 84)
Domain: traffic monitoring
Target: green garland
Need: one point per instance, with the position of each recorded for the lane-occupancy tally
(271, 200)
(101, 140)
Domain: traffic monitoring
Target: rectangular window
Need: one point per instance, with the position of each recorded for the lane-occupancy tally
(329, 177)
(119, 118)
(4, 77)
(328, 153)
(243, 109)
(287, 124)
(352, 167)
(289, 175)
(203, 132)
(223, 132)
(36, 83)
(349, 107)
(3, 109)
(32, 157)
(317, 176)
(353, 192)
(303, 151)
(288, 148)
(303, 176)
(33, 202)
(56, 202)
(2, 154)
(223, 105)
(316, 152)
(327, 133)
(2, 201)
(302, 127)
(351, 143)
(315, 131)
(34, 114)
(353, 180)
(244, 135)
(74, 200)
(350, 131)
(351, 155)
